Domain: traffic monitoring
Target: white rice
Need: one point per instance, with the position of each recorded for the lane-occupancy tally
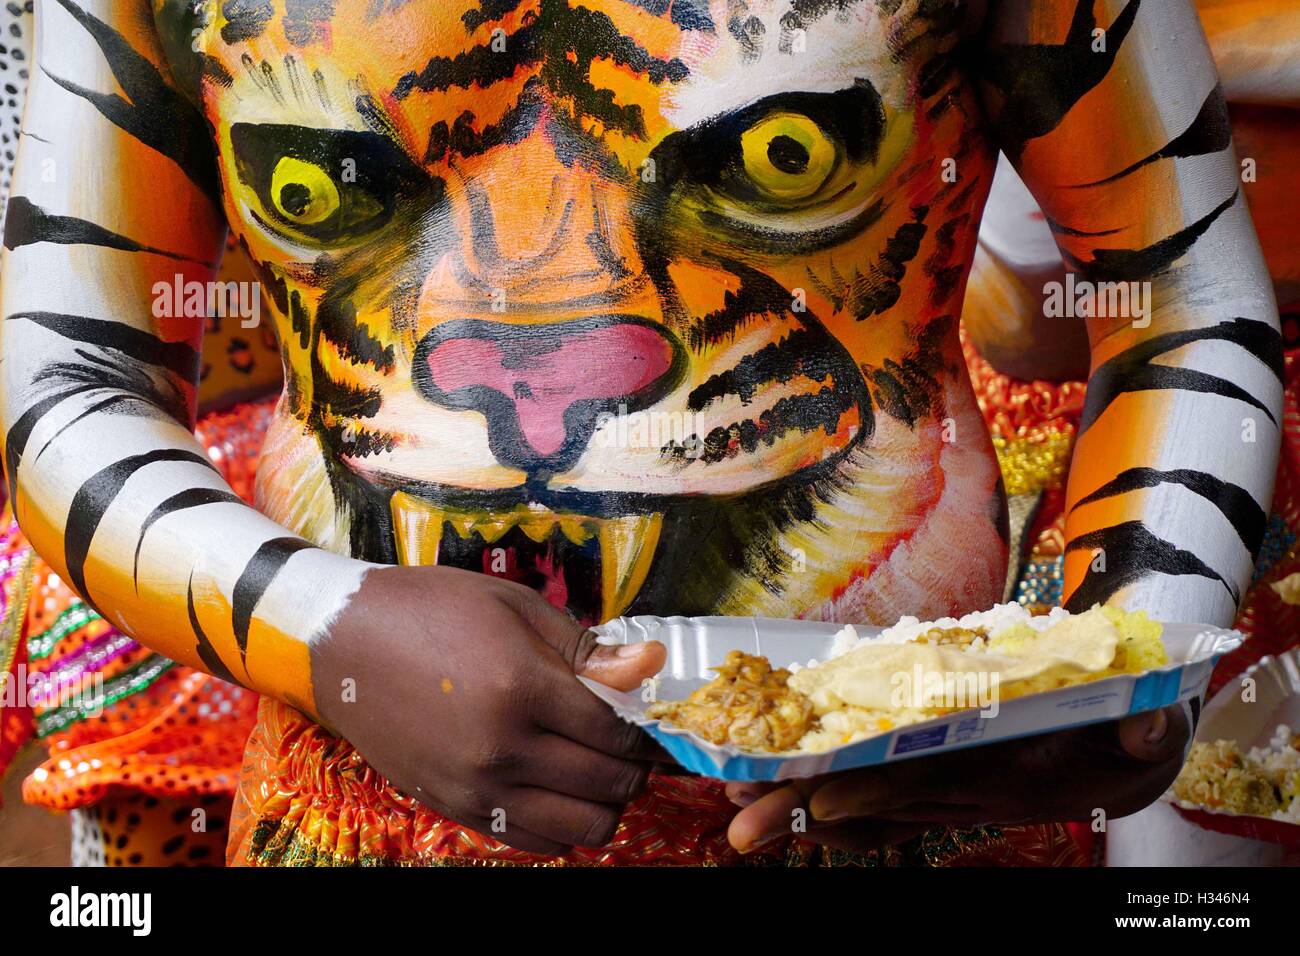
(1279, 759)
(994, 621)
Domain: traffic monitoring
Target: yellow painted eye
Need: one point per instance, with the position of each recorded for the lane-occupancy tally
(787, 156)
(303, 193)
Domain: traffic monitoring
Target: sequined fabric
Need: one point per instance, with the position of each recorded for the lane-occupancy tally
(16, 558)
(308, 799)
(114, 716)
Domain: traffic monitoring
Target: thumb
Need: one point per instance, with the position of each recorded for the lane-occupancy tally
(620, 666)
(1157, 735)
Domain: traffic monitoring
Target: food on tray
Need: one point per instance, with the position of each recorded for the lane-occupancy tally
(912, 672)
(748, 704)
(1263, 782)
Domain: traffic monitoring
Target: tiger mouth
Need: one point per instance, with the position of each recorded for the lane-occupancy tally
(595, 566)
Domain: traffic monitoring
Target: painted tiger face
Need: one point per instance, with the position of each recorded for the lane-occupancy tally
(626, 299)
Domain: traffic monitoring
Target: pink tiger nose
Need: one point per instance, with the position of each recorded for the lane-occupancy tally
(542, 387)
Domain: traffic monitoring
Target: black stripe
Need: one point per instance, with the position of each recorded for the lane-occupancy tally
(307, 21)
(257, 576)
(1133, 370)
(1064, 230)
(21, 433)
(338, 325)
(1131, 553)
(879, 289)
(1209, 132)
(245, 19)
(374, 116)
(156, 114)
(207, 653)
(687, 14)
(179, 358)
(98, 406)
(1130, 265)
(94, 498)
(488, 11)
(759, 297)
(567, 39)
(27, 224)
(803, 413)
(106, 370)
(1040, 83)
(461, 138)
(190, 498)
(479, 65)
(1236, 503)
(801, 353)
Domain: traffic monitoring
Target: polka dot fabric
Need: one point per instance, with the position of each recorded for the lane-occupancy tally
(120, 719)
(136, 829)
(15, 57)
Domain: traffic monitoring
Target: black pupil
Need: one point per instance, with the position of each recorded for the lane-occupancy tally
(295, 198)
(788, 155)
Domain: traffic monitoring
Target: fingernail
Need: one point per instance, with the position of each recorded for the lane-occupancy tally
(1159, 727)
(831, 808)
(759, 843)
(628, 650)
(831, 816)
(743, 799)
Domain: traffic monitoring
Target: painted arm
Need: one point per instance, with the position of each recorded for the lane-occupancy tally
(112, 204)
(1115, 119)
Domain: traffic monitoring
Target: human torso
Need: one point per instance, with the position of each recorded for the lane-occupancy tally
(652, 306)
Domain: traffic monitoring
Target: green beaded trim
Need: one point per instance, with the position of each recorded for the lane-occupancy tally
(74, 616)
(130, 681)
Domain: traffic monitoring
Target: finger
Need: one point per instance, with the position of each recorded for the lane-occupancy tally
(516, 837)
(743, 793)
(975, 775)
(519, 838)
(669, 770)
(769, 817)
(562, 705)
(562, 818)
(571, 640)
(557, 763)
(1155, 736)
(939, 814)
(869, 793)
(621, 666)
(864, 836)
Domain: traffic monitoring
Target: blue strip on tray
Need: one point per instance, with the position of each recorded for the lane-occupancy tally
(921, 739)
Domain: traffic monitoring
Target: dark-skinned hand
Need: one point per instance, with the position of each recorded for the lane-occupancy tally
(1117, 767)
(465, 699)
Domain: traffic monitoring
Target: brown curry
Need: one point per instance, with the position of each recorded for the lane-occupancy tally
(748, 704)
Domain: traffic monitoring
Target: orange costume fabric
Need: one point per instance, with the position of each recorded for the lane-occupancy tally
(113, 715)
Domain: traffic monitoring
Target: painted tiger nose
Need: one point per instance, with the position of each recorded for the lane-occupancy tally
(542, 387)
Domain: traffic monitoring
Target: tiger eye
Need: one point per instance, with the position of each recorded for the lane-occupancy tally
(787, 156)
(303, 192)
